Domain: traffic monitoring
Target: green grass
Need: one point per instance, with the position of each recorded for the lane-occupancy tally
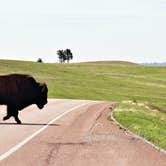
(148, 123)
(111, 81)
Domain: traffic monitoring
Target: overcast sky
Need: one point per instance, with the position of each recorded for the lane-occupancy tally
(132, 30)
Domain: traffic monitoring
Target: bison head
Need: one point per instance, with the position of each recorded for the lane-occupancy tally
(42, 96)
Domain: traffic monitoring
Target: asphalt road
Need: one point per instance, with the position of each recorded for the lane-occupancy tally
(72, 133)
(34, 121)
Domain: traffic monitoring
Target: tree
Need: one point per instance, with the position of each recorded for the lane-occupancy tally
(68, 55)
(64, 55)
(61, 56)
(39, 60)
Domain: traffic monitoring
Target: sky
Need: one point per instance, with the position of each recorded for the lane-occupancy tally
(130, 30)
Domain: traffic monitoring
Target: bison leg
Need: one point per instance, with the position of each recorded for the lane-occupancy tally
(11, 111)
(16, 118)
(6, 117)
(8, 114)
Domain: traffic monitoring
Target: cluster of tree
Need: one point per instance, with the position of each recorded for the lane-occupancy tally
(64, 55)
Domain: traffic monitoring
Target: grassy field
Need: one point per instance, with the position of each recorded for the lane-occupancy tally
(100, 81)
(142, 120)
(112, 81)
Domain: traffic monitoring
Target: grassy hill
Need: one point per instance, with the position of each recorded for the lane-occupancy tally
(112, 81)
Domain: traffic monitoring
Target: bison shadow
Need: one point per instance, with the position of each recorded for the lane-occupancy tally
(30, 124)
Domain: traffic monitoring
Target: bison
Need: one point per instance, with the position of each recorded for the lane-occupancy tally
(18, 91)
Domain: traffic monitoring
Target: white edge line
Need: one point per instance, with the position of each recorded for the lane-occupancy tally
(16, 147)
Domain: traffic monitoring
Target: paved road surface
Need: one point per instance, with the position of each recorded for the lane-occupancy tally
(64, 133)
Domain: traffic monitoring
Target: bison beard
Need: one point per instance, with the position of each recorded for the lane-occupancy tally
(18, 91)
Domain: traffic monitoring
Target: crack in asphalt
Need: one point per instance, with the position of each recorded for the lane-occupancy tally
(53, 151)
(55, 148)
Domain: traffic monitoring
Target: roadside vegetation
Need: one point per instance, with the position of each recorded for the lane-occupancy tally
(143, 121)
(112, 81)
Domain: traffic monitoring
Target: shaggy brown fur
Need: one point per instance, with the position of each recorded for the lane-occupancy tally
(18, 91)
